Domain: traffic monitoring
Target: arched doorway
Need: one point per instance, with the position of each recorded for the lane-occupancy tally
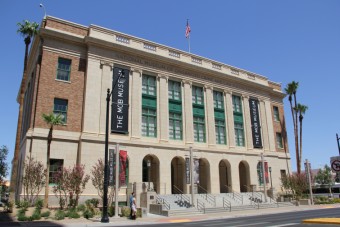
(225, 176)
(150, 172)
(203, 175)
(178, 175)
(244, 176)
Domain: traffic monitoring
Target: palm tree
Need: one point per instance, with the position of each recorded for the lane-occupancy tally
(27, 30)
(291, 90)
(301, 109)
(52, 120)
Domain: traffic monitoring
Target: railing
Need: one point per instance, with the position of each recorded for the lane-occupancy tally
(208, 197)
(163, 202)
(182, 196)
(236, 196)
(226, 204)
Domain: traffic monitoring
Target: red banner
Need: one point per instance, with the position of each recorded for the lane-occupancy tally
(122, 167)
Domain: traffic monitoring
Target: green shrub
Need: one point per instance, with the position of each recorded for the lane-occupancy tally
(59, 215)
(22, 204)
(39, 204)
(126, 211)
(72, 213)
(21, 211)
(88, 214)
(81, 207)
(46, 214)
(336, 200)
(111, 211)
(22, 217)
(95, 202)
(36, 214)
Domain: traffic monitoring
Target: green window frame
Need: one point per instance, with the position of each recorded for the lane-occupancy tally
(239, 134)
(220, 132)
(149, 122)
(56, 165)
(276, 113)
(175, 126)
(237, 104)
(197, 95)
(60, 107)
(218, 100)
(174, 90)
(149, 85)
(64, 69)
(199, 129)
(279, 142)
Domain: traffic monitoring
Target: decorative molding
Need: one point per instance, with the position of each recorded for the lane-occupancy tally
(174, 54)
(149, 47)
(234, 71)
(250, 76)
(208, 87)
(187, 82)
(107, 63)
(135, 70)
(122, 39)
(216, 66)
(196, 60)
(162, 76)
(227, 92)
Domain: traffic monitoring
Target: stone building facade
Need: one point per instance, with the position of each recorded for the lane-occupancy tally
(176, 101)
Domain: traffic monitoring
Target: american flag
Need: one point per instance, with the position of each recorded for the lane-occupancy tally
(187, 30)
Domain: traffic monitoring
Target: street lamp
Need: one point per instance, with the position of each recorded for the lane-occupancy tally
(42, 6)
(264, 178)
(337, 140)
(270, 173)
(148, 164)
(105, 216)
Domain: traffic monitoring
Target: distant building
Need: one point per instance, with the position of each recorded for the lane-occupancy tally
(167, 101)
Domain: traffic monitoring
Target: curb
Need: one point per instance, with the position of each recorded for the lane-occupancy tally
(322, 221)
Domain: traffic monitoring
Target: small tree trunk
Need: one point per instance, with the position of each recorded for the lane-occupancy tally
(49, 140)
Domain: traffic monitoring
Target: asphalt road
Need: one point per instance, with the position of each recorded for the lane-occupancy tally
(268, 220)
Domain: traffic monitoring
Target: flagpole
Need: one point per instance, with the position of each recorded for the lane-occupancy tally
(189, 42)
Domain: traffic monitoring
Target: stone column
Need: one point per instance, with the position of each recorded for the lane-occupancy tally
(107, 75)
(136, 103)
(163, 103)
(247, 123)
(229, 119)
(188, 130)
(271, 136)
(210, 119)
(264, 126)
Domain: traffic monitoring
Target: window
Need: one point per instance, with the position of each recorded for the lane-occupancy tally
(279, 140)
(175, 126)
(220, 132)
(174, 90)
(199, 129)
(237, 105)
(197, 95)
(64, 69)
(276, 113)
(60, 107)
(239, 134)
(283, 173)
(149, 85)
(218, 100)
(149, 122)
(55, 166)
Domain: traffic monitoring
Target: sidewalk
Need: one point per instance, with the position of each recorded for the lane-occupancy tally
(154, 219)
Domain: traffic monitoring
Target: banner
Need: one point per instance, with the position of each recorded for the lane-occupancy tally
(196, 172)
(120, 101)
(255, 123)
(187, 170)
(122, 167)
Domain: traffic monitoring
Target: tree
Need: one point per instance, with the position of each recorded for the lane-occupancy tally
(297, 183)
(324, 177)
(69, 183)
(27, 30)
(291, 90)
(97, 178)
(3, 164)
(52, 120)
(301, 110)
(33, 179)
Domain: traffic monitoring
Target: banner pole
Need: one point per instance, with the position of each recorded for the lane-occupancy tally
(117, 180)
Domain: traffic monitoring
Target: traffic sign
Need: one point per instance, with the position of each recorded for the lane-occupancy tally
(335, 164)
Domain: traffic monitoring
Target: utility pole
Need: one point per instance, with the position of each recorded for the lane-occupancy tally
(309, 182)
(337, 140)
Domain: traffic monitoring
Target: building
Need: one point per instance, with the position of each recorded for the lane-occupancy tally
(166, 101)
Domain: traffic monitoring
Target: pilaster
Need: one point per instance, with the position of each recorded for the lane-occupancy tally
(136, 103)
(271, 136)
(106, 83)
(188, 121)
(230, 119)
(264, 126)
(210, 119)
(247, 123)
(163, 104)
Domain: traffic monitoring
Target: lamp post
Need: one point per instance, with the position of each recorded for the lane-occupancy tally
(337, 140)
(270, 173)
(264, 178)
(42, 6)
(105, 216)
(309, 181)
(148, 164)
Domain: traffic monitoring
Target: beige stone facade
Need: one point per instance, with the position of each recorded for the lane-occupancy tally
(94, 52)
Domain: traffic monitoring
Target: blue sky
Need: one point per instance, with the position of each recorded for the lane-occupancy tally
(282, 40)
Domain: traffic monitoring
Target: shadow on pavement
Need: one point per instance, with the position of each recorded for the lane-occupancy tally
(7, 220)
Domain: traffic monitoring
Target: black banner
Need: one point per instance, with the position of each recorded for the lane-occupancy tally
(120, 101)
(255, 123)
(187, 170)
(112, 166)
